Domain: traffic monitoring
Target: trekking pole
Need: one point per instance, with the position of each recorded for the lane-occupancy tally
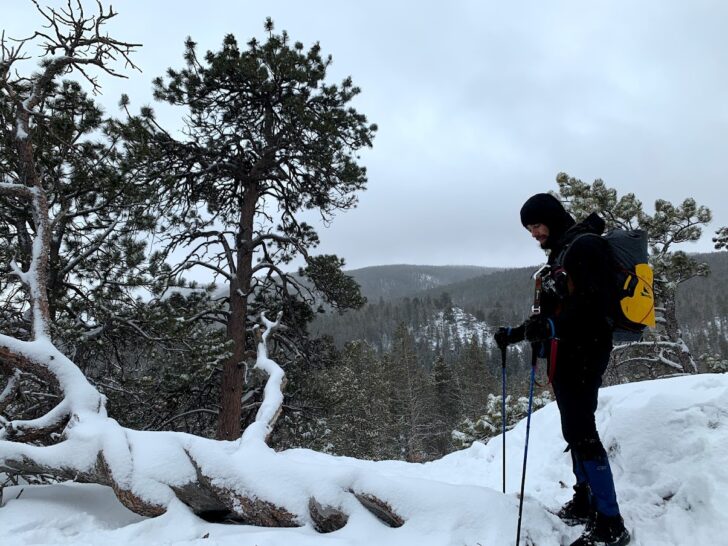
(535, 310)
(503, 411)
(525, 449)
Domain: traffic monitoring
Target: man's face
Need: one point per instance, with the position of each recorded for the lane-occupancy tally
(540, 232)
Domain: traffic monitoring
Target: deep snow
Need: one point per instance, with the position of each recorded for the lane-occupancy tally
(667, 441)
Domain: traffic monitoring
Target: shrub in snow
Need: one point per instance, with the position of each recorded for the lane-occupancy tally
(489, 424)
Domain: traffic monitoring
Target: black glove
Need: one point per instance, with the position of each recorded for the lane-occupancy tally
(538, 328)
(506, 336)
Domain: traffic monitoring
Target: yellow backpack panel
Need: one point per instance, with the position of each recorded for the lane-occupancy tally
(638, 305)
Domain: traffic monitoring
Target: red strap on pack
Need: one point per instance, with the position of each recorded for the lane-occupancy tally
(553, 357)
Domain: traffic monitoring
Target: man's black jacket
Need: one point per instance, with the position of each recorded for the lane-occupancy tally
(581, 310)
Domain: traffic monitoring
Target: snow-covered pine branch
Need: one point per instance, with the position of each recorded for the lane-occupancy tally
(18, 190)
(270, 408)
(206, 475)
(721, 238)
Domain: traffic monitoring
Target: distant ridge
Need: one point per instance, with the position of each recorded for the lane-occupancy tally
(390, 282)
(422, 296)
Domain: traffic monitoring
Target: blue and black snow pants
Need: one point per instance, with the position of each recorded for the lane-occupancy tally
(576, 385)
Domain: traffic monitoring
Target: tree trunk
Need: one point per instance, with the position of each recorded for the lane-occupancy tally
(41, 244)
(233, 373)
(674, 334)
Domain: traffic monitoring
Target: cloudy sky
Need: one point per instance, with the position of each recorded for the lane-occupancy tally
(480, 104)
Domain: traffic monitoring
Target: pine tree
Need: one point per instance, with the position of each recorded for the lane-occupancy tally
(721, 238)
(669, 226)
(97, 252)
(489, 422)
(476, 379)
(410, 396)
(358, 416)
(265, 139)
(88, 213)
(446, 406)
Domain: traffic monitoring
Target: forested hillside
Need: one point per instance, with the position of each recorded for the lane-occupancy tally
(703, 307)
(397, 281)
(446, 320)
(504, 297)
(495, 298)
(434, 350)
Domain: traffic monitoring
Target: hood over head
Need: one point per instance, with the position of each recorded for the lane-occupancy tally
(544, 208)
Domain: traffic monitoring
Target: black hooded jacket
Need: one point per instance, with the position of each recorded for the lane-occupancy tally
(580, 307)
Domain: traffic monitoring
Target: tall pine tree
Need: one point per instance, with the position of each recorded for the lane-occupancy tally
(265, 139)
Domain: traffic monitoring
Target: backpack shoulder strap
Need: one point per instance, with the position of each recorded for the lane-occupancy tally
(559, 262)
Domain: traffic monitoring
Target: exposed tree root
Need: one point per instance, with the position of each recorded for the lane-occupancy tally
(380, 509)
(326, 519)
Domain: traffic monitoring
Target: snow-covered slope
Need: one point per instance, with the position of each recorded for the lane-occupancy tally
(455, 323)
(667, 440)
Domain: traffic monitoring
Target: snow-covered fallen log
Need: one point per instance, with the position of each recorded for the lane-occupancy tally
(148, 470)
(667, 439)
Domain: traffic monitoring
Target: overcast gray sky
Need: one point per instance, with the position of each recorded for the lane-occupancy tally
(480, 104)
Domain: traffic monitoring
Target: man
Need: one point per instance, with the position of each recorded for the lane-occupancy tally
(575, 311)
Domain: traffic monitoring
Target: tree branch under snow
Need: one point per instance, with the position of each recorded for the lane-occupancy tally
(10, 390)
(272, 404)
(15, 190)
(43, 360)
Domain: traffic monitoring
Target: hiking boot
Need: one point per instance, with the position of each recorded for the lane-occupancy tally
(604, 531)
(578, 511)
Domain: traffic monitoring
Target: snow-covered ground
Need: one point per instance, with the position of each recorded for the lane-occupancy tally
(667, 440)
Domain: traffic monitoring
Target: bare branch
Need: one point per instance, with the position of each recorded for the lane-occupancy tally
(186, 413)
(228, 254)
(80, 41)
(90, 249)
(189, 264)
